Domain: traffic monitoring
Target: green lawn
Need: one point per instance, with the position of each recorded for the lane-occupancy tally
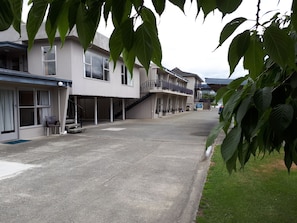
(263, 192)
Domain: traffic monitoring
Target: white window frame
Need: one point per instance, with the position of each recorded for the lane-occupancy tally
(46, 107)
(104, 69)
(45, 49)
(126, 77)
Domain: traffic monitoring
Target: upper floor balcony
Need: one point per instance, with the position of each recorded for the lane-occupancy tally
(162, 85)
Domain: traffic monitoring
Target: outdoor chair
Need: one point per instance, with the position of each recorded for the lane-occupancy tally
(52, 125)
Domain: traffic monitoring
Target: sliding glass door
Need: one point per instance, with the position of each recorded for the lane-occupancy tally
(8, 127)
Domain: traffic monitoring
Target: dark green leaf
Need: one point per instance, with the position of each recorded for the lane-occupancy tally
(129, 59)
(35, 19)
(143, 45)
(63, 22)
(229, 29)
(294, 14)
(228, 6)
(249, 123)
(230, 143)
(262, 98)
(208, 6)
(231, 104)
(115, 45)
(237, 83)
(243, 108)
(127, 33)
(220, 93)
(231, 163)
(6, 15)
(254, 57)
(87, 21)
(159, 6)
(16, 7)
(279, 46)
(72, 13)
(121, 10)
(179, 3)
(281, 117)
(51, 25)
(288, 156)
(214, 134)
(106, 10)
(237, 49)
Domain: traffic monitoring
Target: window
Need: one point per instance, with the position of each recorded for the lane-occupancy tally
(34, 106)
(96, 66)
(49, 60)
(126, 76)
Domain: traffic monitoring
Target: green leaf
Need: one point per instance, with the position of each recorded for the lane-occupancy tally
(279, 46)
(121, 10)
(214, 134)
(254, 57)
(249, 123)
(294, 14)
(35, 19)
(235, 84)
(231, 104)
(243, 108)
(127, 33)
(262, 98)
(231, 163)
(51, 25)
(143, 45)
(237, 49)
(106, 10)
(129, 59)
(221, 92)
(87, 21)
(281, 117)
(159, 6)
(115, 45)
(179, 3)
(63, 22)
(228, 6)
(6, 15)
(72, 13)
(230, 143)
(208, 6)
(288, 156)
(229, 29)
(16, 7)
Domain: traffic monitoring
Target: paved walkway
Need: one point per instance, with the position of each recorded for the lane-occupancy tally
(125, 172)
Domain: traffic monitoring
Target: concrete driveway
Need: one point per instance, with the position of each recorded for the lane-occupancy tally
(125, 172)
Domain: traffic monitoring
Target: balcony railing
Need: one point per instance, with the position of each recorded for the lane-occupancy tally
(164, 85)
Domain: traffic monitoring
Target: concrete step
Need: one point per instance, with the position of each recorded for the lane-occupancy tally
(72, 126)
(76, 130)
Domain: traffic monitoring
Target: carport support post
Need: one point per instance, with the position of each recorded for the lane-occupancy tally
(75, 109)
(95, 111)
(111, 109)
(123, 109)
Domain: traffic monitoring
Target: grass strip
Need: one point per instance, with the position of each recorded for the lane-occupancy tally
(262, 192)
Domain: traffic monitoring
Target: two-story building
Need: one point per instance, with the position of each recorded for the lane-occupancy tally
(194, 82)
(61, 81)
(162, 93)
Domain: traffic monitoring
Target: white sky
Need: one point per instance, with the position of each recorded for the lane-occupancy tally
(188, 43)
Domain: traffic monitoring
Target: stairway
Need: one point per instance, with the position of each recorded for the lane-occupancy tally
(72, 127)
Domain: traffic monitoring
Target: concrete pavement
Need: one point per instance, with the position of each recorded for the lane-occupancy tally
(127, 171)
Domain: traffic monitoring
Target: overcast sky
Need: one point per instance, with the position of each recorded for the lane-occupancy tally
(189, 43)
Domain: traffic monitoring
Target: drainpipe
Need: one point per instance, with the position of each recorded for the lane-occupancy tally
(123, 109)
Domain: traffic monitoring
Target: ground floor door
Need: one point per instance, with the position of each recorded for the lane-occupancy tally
(8, 111)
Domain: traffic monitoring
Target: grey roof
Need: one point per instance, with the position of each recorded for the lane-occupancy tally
(220, 81)
(17, 46)
(27, 78)
(186, 74)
